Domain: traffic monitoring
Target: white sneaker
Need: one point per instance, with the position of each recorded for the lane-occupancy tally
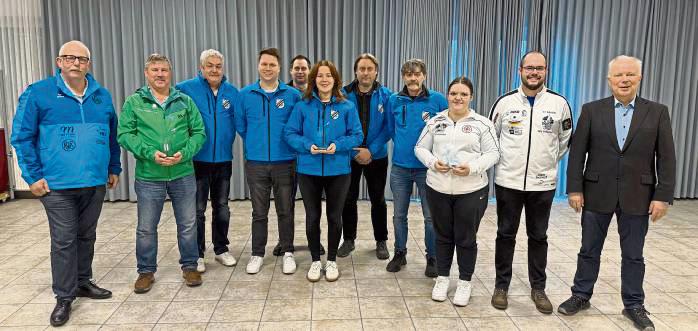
(463, 291)
(255, 264)
(440, 291)
(331, 271)
(315, 271)
(200, 265)
(289, 266)
(226, 259)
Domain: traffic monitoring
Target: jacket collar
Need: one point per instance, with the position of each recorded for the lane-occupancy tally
(92, 85)
(524, 97)
(423, 93)
(354, 87)
(257, 87)
(145, 93)
(204, 82)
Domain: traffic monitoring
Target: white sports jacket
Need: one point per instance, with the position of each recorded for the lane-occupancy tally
(532, 139)
(471, 140)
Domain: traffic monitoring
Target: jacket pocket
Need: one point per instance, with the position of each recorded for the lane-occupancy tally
(591, 176)
(647, 179)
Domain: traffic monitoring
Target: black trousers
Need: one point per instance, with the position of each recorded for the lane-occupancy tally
(213, 178)
(262, 178)
(632, 230)
(335, 188)
(456, 219)
(509, 205)
(376, 174)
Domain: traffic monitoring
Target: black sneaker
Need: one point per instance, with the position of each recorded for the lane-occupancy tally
(573, 305)
(277, 250)
(639, 318)
(346, 248)
(322, 250)
(399, 259)
(382, 250)
(430, 270)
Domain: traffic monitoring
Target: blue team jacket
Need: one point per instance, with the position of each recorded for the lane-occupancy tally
(70, 143)
(406, 118)
(377, 134)
(313, 122)
(260, 121)
(217, 112)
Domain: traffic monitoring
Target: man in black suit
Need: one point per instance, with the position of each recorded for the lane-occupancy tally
(621, 162)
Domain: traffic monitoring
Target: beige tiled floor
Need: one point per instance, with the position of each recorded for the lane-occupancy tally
(366, 296)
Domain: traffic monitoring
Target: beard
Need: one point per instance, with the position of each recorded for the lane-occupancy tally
(540, 83)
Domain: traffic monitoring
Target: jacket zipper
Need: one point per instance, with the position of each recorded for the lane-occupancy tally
(404, 111)
(266, 112)
(215, 124)
(528, 153)
(322, 171)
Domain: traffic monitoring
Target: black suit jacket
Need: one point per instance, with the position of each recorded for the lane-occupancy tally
(630, 176)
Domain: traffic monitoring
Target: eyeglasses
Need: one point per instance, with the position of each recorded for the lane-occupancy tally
(70, 59)
(532, 69)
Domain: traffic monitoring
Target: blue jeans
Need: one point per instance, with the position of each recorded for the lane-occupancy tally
(401, 183)
(72, 221)
(151, 197)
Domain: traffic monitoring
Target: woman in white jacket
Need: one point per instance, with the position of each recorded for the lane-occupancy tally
(458, 146)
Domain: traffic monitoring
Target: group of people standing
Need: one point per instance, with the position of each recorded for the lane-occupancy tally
(315, 134)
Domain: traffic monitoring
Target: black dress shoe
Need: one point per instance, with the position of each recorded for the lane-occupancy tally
(61, 313)
(639, 318)
(92, 291)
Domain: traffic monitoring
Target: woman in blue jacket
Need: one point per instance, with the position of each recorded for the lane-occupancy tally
(323, 129)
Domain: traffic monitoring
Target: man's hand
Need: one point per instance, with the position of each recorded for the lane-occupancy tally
(658, 209)
(576, 201)
(161, 158)
(39, 188)
(331, 149)
(461, 170)
(112, 180)
(440, 166)
(315, 150)
(364, 156)
(174, 159)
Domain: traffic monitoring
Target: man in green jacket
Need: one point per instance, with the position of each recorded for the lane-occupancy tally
(164, 130)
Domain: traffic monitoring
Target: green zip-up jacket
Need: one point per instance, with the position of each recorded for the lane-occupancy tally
(146, 127)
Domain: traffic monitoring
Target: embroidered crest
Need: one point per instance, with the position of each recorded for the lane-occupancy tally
(226, 104)
(380, 108)
(280, 103)
(425, 116)
(567, 124)
(467, 129)
(334, 114)
(547, 123)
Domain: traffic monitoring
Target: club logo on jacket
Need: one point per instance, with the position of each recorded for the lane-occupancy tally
(96, 100)
(280, 103)
(334, 114)
(547, 124)
(425, 116)
(226, 104)
(68, 145)
(467, 129)
(380, 108)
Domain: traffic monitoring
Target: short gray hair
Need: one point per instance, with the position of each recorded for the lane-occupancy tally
(209, 53)
(412, 65)
(155, 57)
(624, 57)
(77, 43)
